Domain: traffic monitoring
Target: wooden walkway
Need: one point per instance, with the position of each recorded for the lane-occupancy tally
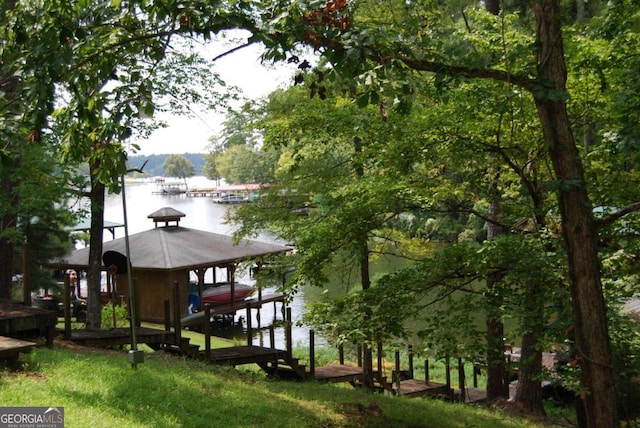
(202, 192)
(420, 388)
(11, 348)
(20, 321)
(119, 336)
(337, 373)
(239, 355)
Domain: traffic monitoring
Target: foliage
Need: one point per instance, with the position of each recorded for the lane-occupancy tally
(153, 166)
(240, 164)
(120, 312)
(178, 166)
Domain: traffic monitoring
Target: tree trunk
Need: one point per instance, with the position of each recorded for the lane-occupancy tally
(367, 354)
(6, 262)
(529, 389)
(496, 387)
(495, 346)
(580, 236)
(8, 85)
(94, 275)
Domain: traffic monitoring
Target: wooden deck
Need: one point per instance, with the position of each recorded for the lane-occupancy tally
(119, 336)
(20, 321)
(420, 388)
(11, 348)
(337, 373)
(239, 355)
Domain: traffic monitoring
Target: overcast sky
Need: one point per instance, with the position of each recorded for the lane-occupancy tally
(242, 69)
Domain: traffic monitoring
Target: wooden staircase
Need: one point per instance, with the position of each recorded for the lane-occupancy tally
(285, 368)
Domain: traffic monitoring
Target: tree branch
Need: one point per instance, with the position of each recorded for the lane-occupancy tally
(607, 220)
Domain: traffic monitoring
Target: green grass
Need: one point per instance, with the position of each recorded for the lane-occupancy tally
(98, 388)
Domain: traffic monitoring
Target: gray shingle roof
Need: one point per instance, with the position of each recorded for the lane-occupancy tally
(177, 248)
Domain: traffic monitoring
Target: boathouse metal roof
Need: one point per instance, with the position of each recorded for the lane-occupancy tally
(178, 248)
(173, 247)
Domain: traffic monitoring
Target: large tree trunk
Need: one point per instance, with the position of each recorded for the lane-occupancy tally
(8, 85)
(6, 261)
(529, 389)
(365, 281)
(496, 387)
(580, 235)
(94, 275)
(367, 354)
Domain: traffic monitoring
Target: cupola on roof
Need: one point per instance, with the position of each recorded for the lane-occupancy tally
(166, 215)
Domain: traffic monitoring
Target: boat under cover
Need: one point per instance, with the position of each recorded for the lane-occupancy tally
(220, 294)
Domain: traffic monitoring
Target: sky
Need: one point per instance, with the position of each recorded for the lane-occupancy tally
(242, 69)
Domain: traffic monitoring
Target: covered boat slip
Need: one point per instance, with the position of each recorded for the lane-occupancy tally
(167, 255)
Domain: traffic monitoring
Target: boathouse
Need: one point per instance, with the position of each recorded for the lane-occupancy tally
(165, 255)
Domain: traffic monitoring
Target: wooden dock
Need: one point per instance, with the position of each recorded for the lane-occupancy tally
(420, 388)
(240, 355)
(11, 348)
(337, 373)
(23, 322)
(201, 192)
(119, 336)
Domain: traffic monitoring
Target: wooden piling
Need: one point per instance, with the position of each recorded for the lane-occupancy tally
(176, 314)
(397, 374)
(379, 352)
(207, 331)
(249, 329)
(461, 380)
(67, 308)
(272, 337)
(289, 337)
(447, 370)
(167, 315)
(410, 352)
(312, 354)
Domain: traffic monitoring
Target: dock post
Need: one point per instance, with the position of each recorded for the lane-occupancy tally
(67, 308)
(397, 374)
(167, 315)
(136, 302)
(341, 354)
(507, 375)
(426, 372)
(272, 336)
(461, 380)
(379, 352)
(359, 355)
(249, 329)
(176, 314)
(312, 354)
(411, 361)
(447, 371)
(288, 333)
(476, 369)
(207, 331)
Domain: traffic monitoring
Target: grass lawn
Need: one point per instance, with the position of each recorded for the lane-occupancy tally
(98, 388)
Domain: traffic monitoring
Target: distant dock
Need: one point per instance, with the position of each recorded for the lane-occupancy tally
(202, 192)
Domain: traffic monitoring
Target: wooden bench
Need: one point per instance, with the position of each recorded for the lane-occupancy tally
(10, 349)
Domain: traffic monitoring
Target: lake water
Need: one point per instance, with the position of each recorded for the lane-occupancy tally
(203, 214)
